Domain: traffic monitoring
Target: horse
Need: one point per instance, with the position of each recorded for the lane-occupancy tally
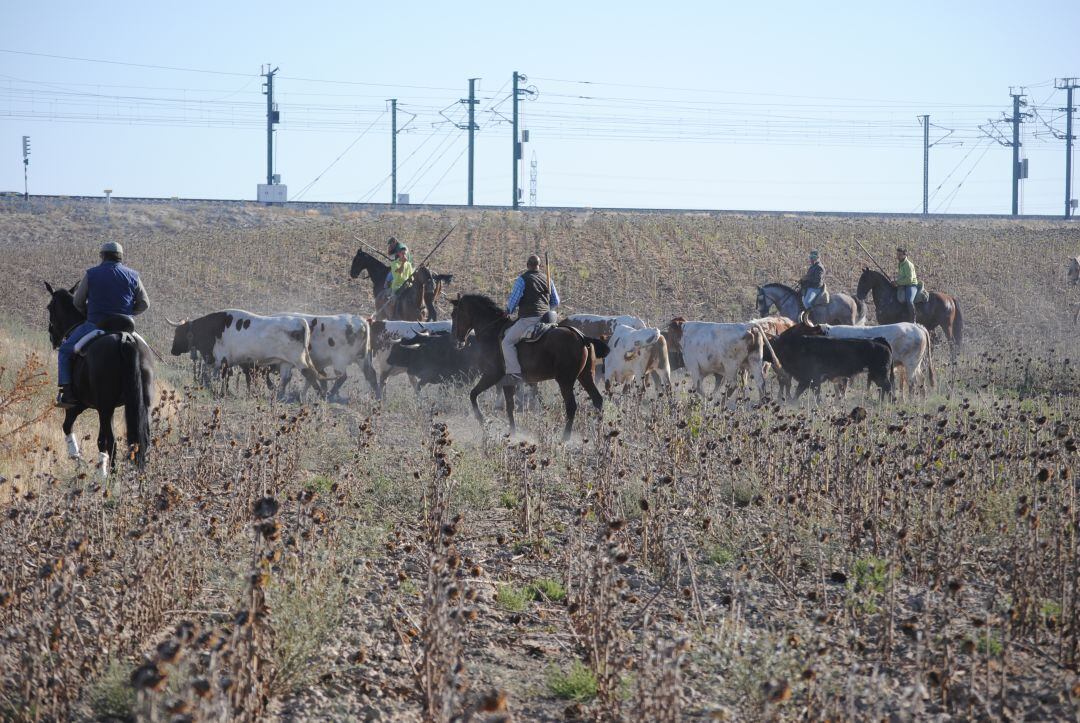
(413, 303)
(562, 354)
(841, 309)
(941, 310)
(115, 370)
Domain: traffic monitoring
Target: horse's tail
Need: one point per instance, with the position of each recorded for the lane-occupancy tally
(958, 324)
(860, 312)
(136, 414)
(599, 346)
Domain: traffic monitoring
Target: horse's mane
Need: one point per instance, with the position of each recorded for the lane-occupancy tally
(785, 287)
(366, 255)
(483, 304)
(874, 273)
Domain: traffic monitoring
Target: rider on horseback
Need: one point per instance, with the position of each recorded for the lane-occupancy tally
(401, 269)
(533, 298)
(813, 282)
(108, 289)
(907, 283)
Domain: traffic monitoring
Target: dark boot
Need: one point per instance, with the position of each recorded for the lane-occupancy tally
(65, 399)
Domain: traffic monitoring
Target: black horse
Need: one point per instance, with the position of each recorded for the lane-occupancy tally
(562, 354)
(116, 370)
(411, 306)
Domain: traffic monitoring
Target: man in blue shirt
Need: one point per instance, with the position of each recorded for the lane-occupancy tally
(108, 289)
(533, 299)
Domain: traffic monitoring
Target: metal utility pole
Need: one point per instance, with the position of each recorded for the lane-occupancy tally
(393, 151)
(925, 164)
(517, 142)
(272, 117)
(1068, 85)
(472, 128)
(1018, 101)
(26, 167)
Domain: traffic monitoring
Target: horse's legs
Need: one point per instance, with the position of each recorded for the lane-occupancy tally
(590, 386)
(106, 442)
(567, 390)
(486, 382)
(508, 397)
(69, 424)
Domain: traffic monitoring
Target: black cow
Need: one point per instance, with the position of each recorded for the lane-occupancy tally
(812, 358)
(435, 359)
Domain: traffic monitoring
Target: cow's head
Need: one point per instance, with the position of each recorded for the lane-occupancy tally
(181, 343)
(674, 332)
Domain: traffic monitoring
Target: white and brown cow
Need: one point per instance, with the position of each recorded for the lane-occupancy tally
(385, 334)
(234, 338)
(337, 341)
(710, 348)
(636, 354)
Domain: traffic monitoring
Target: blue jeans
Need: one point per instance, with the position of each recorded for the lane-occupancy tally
(67, 348)
(809, 296)
(906, 294)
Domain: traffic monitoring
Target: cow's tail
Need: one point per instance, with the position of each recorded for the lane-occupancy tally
(599, 346)
(929, 358)
(136, 414)
(958, 324)
(860, 312)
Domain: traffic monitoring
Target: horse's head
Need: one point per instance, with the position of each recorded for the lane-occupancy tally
(763, 302)
(460, 320)
(63, 315)
(866, 283)
(363, 261)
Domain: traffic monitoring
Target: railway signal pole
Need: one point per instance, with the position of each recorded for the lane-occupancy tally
(272, 118)
(1068, 85)
(26, 167)
(519, 138)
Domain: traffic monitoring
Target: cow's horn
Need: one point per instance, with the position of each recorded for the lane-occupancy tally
(173, 323)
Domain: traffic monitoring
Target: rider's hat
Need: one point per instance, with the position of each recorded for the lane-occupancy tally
(112, 248)
(813, 254)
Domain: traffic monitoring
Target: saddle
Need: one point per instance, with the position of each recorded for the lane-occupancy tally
(823, 298)
(119, 324)
(537, 332)
(922, 295)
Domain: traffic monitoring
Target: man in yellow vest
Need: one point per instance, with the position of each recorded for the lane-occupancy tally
(907, 283)
(401, 271)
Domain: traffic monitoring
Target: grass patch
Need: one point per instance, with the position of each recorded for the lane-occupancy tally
(514, 599)
(720, 555)
(546, 589)
(111, 695)
(575, 683)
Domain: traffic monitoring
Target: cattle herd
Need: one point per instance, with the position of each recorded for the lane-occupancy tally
(324, 347)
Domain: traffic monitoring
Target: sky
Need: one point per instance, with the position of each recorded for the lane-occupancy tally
(766, 106)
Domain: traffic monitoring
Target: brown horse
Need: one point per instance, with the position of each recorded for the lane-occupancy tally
(415, 303)
(562, 354)
(941, 310)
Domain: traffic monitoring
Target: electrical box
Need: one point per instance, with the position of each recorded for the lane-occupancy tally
(276, 178)
(525, 136)
(272, 193)
(1023, 169)
(403, 198)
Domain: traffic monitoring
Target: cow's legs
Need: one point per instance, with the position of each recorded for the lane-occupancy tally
(69, 423)
(333, 393)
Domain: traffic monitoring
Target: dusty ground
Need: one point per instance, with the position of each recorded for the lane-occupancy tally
(692, 559)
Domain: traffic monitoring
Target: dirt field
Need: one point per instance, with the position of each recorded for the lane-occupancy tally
(679, 559)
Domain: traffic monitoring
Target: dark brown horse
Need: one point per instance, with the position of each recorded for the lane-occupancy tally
(415, 303)
(941, 310)
(562, 354)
